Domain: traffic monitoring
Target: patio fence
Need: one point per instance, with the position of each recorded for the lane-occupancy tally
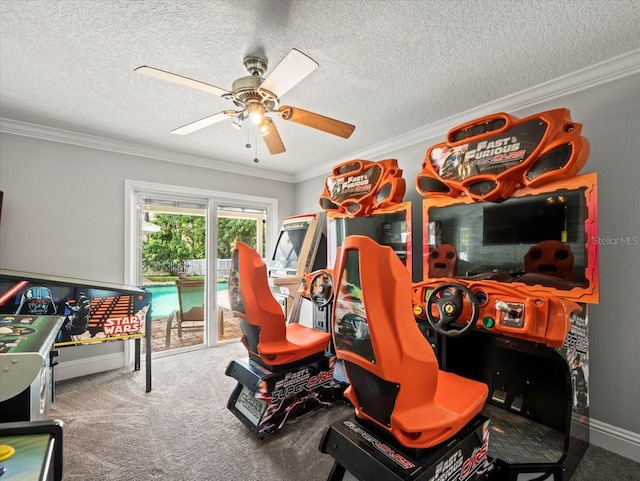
(197, 267)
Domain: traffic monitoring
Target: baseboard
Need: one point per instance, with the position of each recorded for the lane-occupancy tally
(615, 439)
(90, 365)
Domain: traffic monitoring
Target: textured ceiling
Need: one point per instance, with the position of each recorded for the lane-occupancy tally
(388, 67)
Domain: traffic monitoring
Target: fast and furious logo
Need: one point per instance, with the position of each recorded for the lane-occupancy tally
(385, 449)
(455, 467)
(295, 382)
(496, 151)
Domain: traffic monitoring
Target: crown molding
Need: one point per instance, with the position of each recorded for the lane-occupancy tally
(598, 74)
(52, 134)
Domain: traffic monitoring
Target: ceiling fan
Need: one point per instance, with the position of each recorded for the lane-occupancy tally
(256, 97)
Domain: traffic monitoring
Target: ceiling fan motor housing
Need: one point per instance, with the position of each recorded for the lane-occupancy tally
(256, 66)
(246, 90)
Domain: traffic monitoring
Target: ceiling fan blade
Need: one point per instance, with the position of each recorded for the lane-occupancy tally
(317, 121)
(206, 122)
(272, 138)
(178, 79)
(294, 67)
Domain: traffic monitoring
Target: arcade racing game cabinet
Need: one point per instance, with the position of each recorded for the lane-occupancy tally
(412, 420)
(504, 306)
(391, 368)
(289, 370)
(363, 197)
(300, 249)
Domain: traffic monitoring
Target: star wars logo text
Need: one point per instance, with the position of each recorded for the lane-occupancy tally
(118, 326)
(495, 151)
(385, 449)
(455, 467)
(296, 382)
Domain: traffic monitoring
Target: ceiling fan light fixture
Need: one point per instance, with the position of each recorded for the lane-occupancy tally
(256, 112)
(256, 117)
(263, 126)
(237, 121)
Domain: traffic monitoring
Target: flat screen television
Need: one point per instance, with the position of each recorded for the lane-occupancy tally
(528, 220)
(390, 226)
(497, 241)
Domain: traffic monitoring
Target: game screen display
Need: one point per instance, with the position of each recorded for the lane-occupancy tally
(500, 241)
(390, 227)
(532, 220)
(289, 245)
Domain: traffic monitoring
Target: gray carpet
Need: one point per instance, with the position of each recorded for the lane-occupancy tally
(182, 429)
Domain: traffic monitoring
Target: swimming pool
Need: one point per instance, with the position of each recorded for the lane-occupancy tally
(165, 298)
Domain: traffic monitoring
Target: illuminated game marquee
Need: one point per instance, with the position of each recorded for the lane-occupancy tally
(489, 158)
(358, 187)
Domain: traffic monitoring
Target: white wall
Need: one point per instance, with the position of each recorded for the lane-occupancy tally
(612, 126)
(76, 195)
(63, 215)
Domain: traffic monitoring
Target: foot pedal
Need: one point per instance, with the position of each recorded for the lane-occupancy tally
(499, 396)
(516, 405)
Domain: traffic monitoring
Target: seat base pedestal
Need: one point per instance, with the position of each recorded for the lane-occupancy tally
(265, 400)
(361, 453)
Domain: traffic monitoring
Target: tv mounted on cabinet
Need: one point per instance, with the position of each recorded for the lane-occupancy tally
(529, 220)
(390, 226)
(493, 241)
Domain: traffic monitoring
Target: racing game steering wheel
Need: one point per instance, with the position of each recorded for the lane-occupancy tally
(450, 299)
(321, 289)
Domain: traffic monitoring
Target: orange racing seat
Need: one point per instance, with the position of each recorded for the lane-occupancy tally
(394, 377)
(265, 332)
(443, 261)
(550, 257)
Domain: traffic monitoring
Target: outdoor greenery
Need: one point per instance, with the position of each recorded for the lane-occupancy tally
(231, 231)
(182, 238)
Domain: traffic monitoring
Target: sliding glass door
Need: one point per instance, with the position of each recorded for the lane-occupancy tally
(179, 244)
(173, 268)
(235, 223)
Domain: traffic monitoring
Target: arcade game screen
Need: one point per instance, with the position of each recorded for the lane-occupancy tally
(289, 245)
(497, 241)
(391, 228)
